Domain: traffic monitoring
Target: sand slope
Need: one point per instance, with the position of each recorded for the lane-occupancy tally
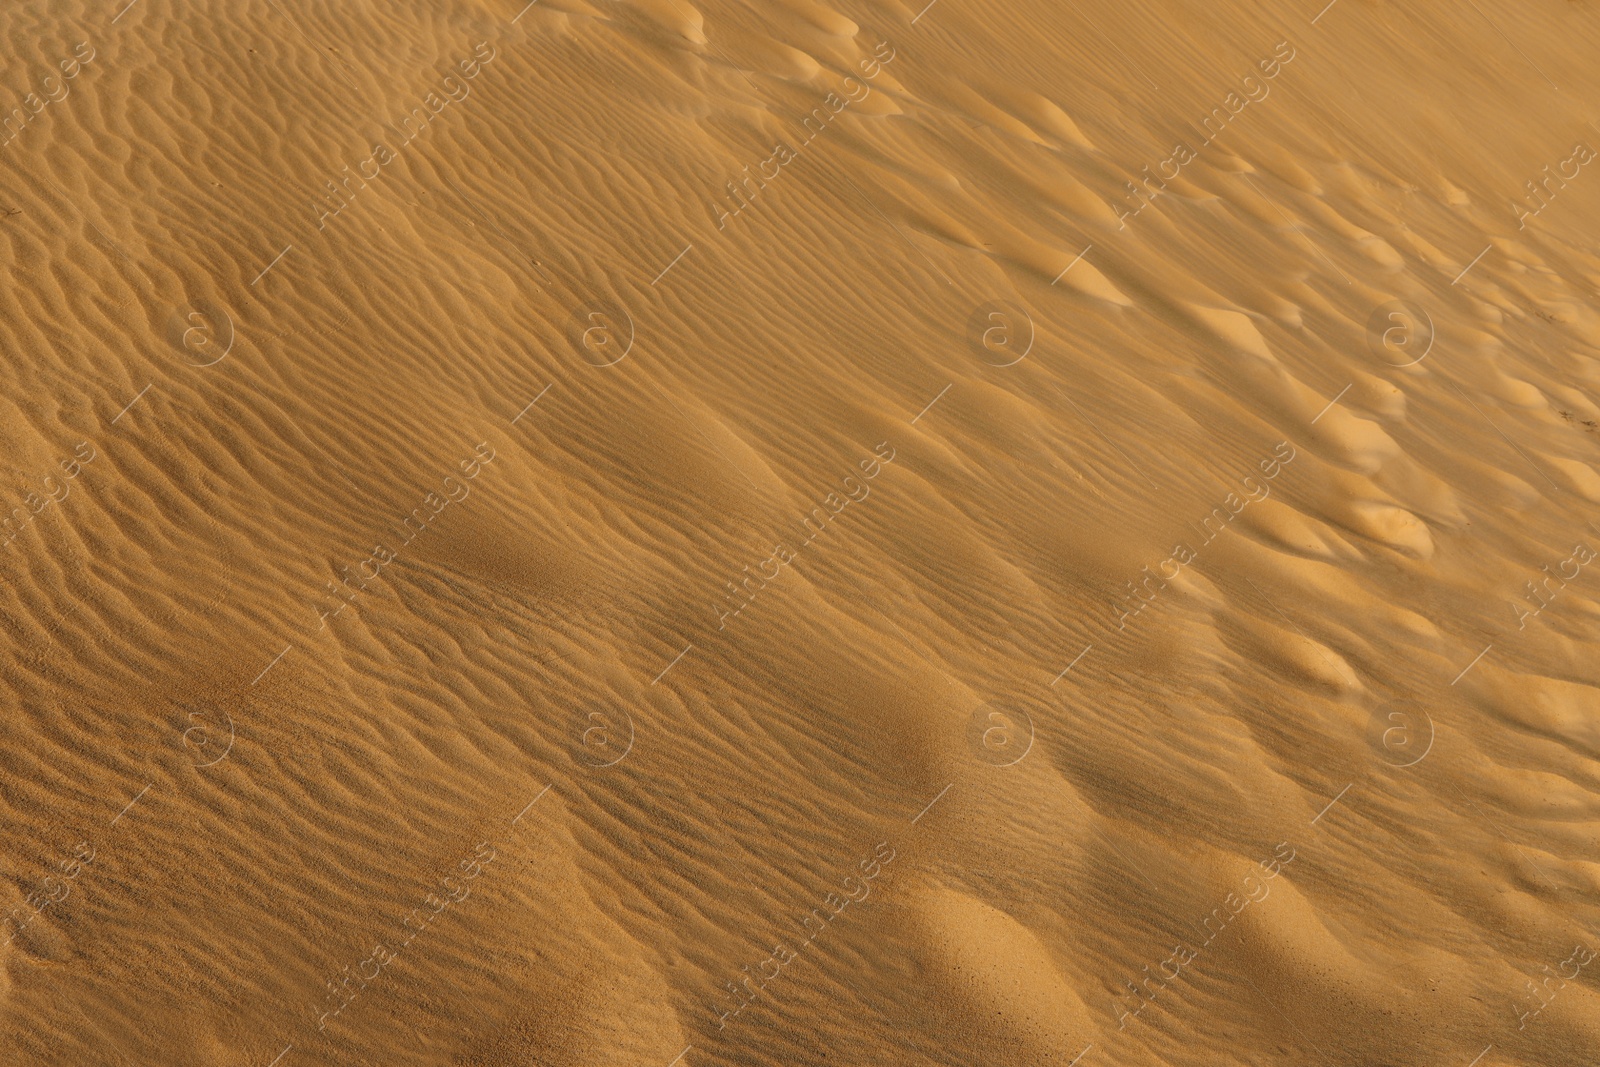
(657, 532)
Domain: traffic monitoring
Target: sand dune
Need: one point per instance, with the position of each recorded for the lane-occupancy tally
(659, 532)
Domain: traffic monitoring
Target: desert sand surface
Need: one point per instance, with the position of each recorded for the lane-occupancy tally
(673, 533)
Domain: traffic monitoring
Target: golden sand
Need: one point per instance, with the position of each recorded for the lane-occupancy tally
(666, 534)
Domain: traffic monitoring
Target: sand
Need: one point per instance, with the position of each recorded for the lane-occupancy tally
(684, 533)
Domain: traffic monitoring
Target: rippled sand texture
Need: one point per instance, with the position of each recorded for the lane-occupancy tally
(657, 533)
